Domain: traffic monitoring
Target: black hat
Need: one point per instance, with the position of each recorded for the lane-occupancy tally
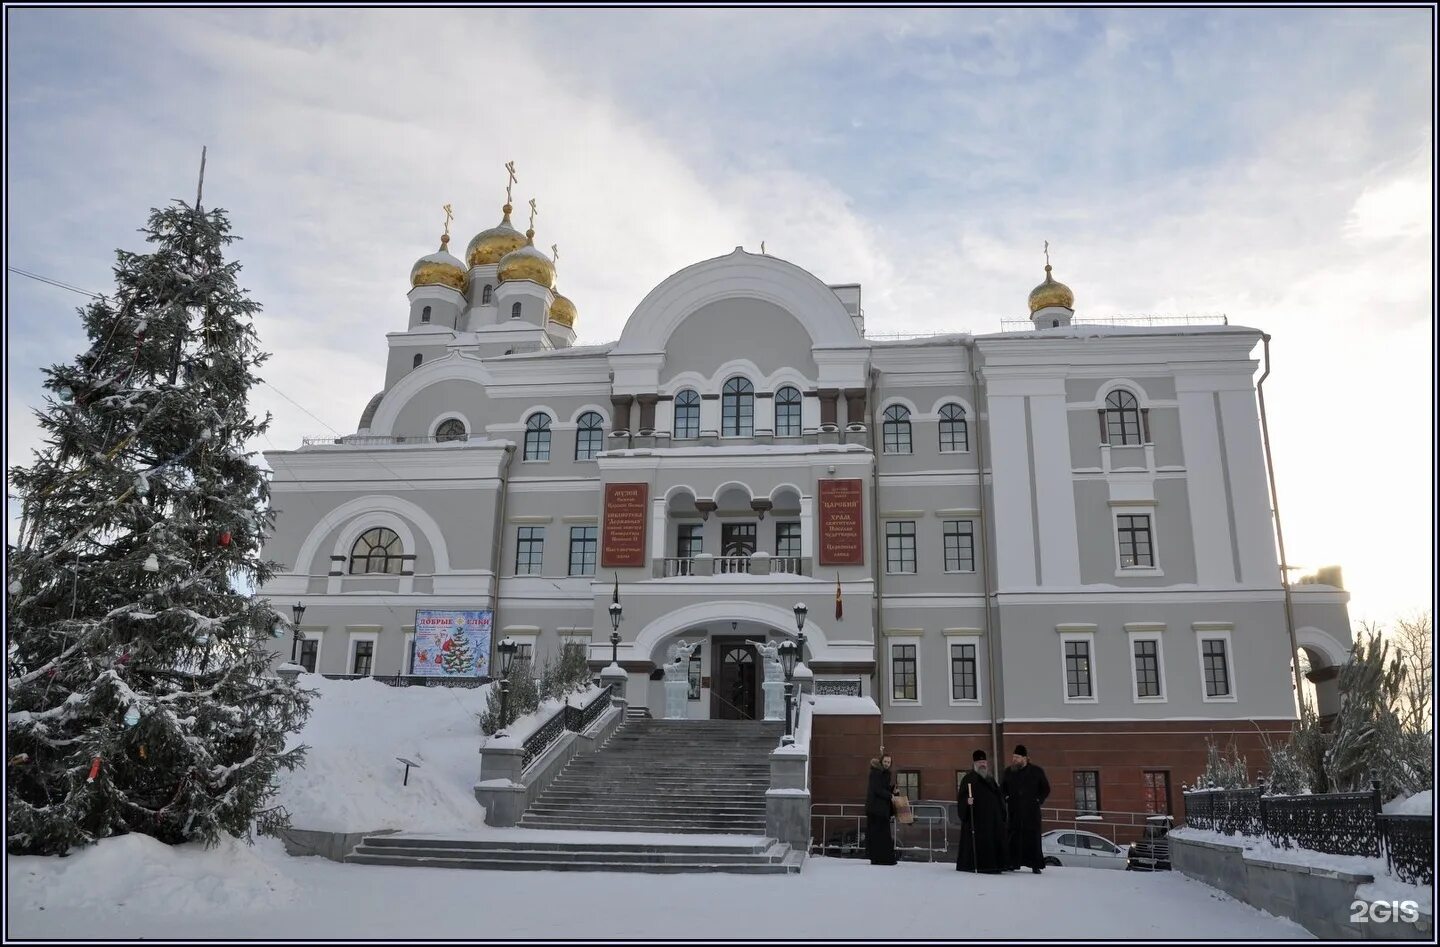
(1020, 750)
(977, 756)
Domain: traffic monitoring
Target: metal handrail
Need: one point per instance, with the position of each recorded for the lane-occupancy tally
(561, 722)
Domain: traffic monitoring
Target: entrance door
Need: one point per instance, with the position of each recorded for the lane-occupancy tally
(735, 694)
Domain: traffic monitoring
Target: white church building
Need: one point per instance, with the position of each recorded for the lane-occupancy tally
(1060, 536)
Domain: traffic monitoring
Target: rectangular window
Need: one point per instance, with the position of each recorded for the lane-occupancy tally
(582, 550)
(1087, 790)
(1217, 668)
(1135, 548)
(737, 539)
(787, 540)
(1077, 669)
(309, 651)
(689, 540)
(904, 679)
(959, 546)
(694, 670)
(962, 672)
(1147, 667)
(900, 546)
(525, 652)
(908, 782)
(529, 549)
(1157, 792)
(364, 657)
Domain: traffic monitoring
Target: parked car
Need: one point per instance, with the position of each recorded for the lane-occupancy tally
(1074, 848)
(1152, 851)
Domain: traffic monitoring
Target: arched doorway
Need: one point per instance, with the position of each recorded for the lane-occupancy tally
(735, 692)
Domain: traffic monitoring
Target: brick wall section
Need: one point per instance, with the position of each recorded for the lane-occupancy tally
(841, 748)
(937, 751)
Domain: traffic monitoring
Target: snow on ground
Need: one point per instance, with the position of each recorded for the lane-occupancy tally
(134, 887)
(1419, 804)
(1385, 887)
(351, 781)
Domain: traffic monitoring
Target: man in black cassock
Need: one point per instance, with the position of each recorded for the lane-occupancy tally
(879, 807)
(982, 820)
(1025, 789)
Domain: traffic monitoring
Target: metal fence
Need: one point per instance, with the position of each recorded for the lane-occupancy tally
(1341, 823)
(566, 719)
(838, 830)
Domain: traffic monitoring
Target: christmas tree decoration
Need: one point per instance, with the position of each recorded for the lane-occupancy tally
(67, 394)
(16, 588)
(97, 640)
(458, 656)
(277, 630)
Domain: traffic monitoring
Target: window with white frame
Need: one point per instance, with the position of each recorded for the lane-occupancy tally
(787, 412)
(450, 429)
(1135, 540)
(895, 430)
(361, 659)
(787, 539)
(737, 408)
(1149, 674)
(529, 550)
(589, 435)
(1215, 664)
(377, 550)
(537, 436)
(687, 415)
(310, 652)
(689, 540)
(582, 550)
(1077, 651)
(959, 546)
(905, 670)
(900, 546)
(954, 432)
(1122, 418)
(964, 679)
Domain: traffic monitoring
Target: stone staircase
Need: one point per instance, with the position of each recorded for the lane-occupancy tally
(597, 853)
(669, 776)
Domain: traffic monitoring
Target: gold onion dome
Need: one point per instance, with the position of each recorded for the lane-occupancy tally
(562, 310)
(489, 246)
(1051, 293)
(439, 269)
(527, 262)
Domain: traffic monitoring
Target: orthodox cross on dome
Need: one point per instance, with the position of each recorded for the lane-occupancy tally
(762, 247)
(555, 255)
(449, 216)
(511, 179)
(1047, 254)
(533, 213)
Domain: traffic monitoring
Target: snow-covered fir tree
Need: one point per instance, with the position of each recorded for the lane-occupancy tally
(138, 695)
(458, 659)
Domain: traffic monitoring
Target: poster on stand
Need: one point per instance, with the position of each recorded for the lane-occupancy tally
(452, 643)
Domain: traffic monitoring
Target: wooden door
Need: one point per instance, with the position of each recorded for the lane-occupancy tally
(734, 691)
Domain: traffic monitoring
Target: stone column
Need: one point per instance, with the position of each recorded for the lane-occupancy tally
(620, 406)
(647, 411)
(829, 406)
(787, 803)
(500, 789)
(854, 405)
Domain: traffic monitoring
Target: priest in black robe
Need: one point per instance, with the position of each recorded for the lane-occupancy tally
(1025, 789)
(983, 845)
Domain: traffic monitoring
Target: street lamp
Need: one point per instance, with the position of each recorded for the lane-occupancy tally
(789, 651)
(507, 648)
(298, 610)
(800, 612)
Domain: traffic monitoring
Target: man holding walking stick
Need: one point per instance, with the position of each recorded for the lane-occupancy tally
(982, 820)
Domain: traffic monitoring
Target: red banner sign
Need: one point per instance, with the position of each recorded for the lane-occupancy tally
(842, 525)
(623, 533)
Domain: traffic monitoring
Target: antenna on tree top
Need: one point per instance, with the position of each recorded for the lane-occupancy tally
(200, 187)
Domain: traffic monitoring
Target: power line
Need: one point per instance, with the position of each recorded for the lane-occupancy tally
(53, 282)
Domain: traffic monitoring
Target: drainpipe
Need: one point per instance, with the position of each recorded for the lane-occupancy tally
(877, 687)
(992, 618)
(1279, 533)
(497, 546)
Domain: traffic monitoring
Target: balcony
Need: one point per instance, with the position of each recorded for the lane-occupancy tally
(756, 564)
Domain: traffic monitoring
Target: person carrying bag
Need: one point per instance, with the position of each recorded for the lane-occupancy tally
(879, 807)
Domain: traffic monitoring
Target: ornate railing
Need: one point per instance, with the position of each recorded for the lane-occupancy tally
(838, 688)
(372, 440)
(1409, 847)
(784, 565)
(566, 719)
(678, 566)
(412, 680)
(1341, 823)
(1228, 811)
(725, 565)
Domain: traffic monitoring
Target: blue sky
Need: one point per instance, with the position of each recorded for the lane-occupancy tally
(1274, 165)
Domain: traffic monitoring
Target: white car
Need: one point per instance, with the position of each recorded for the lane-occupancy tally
(1073, 848)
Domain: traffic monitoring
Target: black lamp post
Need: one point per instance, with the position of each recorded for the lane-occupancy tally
(789, 651)
(298, 610)
(507, 648)
(616, 614)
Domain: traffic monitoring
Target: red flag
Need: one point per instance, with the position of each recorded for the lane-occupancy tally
(839, 607)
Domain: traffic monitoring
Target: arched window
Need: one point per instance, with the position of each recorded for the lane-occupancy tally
(687, 414)
(415, 363)
(537, 437)
(515, 311)
(451, 429)
(787, 412)
(485, 295)
(737, 408)
(954, 432)
(425, 314)
(1122, 418)
(589, 436)
(377, 550)
(897, 429)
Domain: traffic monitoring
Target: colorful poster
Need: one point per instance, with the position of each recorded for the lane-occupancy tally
(623, 535)
(842, 528)
(452, 644)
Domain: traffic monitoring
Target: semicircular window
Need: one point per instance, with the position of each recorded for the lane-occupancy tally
(377, 550)
(451, 429)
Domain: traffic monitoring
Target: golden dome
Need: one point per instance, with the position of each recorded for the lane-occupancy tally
(1050, 293)
(439, 269)
(527, 263)
(490, 245)
(562, 310)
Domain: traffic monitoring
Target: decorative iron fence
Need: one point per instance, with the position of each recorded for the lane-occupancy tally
(1341, 823)
(1409, 847)
(412, 680)
(841, 688)
(567, 718)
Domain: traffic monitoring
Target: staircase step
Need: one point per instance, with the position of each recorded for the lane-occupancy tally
(507, 864)
(588, 854)
(737, 847)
